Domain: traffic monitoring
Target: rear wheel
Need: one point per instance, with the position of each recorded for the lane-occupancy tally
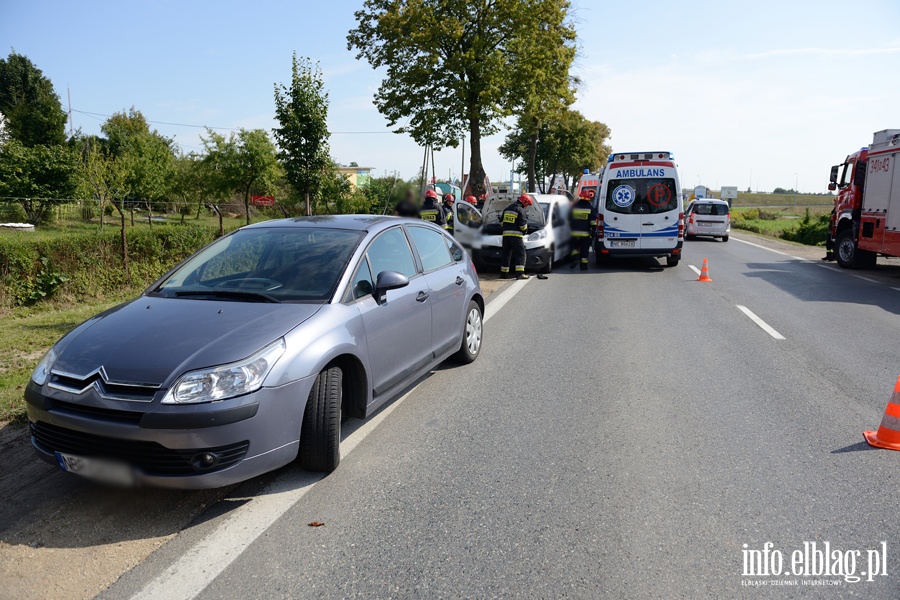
(320, 434)
(472, 335)
(672, 261)
(724, 238)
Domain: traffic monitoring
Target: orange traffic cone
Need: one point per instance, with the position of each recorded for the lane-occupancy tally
(704, 272)
(888, 434)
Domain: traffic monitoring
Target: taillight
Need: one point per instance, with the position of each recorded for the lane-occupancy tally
(600, 226)
(681, 224)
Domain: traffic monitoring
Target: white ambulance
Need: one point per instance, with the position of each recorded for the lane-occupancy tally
(640, 209)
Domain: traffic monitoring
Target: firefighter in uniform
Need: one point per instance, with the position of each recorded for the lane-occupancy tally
(582, 222)
(431, 211)
(515, 224)
(448, 212)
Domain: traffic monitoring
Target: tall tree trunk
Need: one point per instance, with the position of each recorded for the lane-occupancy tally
(124, 242)
(532, 155)
(476, 169)
(247, 203)
(308, 205)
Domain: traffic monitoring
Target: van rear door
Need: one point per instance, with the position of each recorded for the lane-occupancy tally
(641, 213)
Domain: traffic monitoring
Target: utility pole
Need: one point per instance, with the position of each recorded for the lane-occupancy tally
(69, 92)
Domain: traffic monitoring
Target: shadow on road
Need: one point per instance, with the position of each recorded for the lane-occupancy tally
(857, 447)
(825, 287)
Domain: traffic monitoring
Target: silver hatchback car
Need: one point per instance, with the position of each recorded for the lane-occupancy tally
(707, 218)
(250, 353)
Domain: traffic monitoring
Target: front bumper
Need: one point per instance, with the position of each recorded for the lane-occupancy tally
(163, 444)
(535, 258)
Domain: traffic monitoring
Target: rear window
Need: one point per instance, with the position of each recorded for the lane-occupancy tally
(641, 196)
(719, 210)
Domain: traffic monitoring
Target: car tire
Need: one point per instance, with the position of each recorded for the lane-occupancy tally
(473, 335)
(672, 261)
(320, 434)
(724, 238)
(688, 236)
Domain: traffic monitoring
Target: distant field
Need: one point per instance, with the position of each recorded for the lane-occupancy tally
(758, 199)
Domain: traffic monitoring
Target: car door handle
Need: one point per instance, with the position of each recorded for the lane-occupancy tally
(422, 297)
(460, 280)
(647, 224)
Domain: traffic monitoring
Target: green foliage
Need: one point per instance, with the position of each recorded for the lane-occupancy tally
(243, 162)
(302, 112)
(32, 110)
(566, 145)
(39, 177)
(45, 282)
(457, 65)
(88, 265)
(147, 157)
(811, 232)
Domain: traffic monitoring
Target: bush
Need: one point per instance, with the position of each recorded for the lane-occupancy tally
(811, 231)
(89, 265)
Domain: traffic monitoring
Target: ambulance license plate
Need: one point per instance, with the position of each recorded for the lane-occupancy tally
(98, 469)
(621, 243)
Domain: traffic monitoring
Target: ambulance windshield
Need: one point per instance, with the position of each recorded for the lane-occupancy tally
(644, 195)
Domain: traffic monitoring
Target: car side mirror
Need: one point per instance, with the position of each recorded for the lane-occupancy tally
(388, 280)
(832, 186)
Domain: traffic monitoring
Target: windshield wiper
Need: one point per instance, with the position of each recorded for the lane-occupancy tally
(236, 294)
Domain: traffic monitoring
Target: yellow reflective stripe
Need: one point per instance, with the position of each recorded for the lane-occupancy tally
(582, 214)
(581, 234)
(512, 234)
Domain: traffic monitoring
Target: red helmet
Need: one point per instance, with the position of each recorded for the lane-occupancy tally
(448, 197)
(586, 194)
(471, 199)
(431, 194)
(525, 199)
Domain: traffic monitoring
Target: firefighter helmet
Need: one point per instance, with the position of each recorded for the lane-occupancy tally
(525, 199)
(448, 197)
(431, 194)
(471, 199)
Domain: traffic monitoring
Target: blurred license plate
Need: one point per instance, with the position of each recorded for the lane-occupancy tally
(98, 469)
(621, 243)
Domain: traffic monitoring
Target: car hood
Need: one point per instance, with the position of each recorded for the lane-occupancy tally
(154, 340)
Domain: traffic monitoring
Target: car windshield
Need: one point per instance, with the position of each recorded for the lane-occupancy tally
(711, 209)
(641, 196)
(280, 264)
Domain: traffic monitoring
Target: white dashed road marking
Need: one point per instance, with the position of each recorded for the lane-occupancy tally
(765, 326)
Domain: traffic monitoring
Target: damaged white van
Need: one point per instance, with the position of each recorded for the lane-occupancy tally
(640, 212)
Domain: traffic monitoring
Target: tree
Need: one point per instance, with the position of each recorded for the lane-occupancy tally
(148, 156)
(241, 161)
(34, 114)
(39, 177)
(302, 111)
(567, 145)
(455, 65)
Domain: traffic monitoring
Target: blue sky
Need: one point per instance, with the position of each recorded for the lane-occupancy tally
(766, 93)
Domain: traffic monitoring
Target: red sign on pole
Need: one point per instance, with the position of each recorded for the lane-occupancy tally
(262, 200)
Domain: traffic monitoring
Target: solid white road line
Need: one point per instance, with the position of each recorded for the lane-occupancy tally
(765, 326)
(694, 269)
(770, 250)
(898, 289)
(494, 307)
(197, 568)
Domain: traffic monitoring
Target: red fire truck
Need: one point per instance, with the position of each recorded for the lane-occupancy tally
(866, 219)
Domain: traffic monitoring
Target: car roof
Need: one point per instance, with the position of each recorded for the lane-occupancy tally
(354, 222)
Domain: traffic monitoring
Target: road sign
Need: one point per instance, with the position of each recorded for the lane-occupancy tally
(262, 200)
(728, 193)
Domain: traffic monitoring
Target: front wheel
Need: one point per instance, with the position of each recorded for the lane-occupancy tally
(549, 266)
(849, 256)
(473, 333)
(320, 434)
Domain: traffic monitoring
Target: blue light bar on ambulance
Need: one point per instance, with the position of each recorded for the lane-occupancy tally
(630, 156)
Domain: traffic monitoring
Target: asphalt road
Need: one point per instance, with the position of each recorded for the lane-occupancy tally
(627, 432)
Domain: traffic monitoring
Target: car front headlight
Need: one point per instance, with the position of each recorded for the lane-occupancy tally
(225, 381)
(42, 371)
(540, 234)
